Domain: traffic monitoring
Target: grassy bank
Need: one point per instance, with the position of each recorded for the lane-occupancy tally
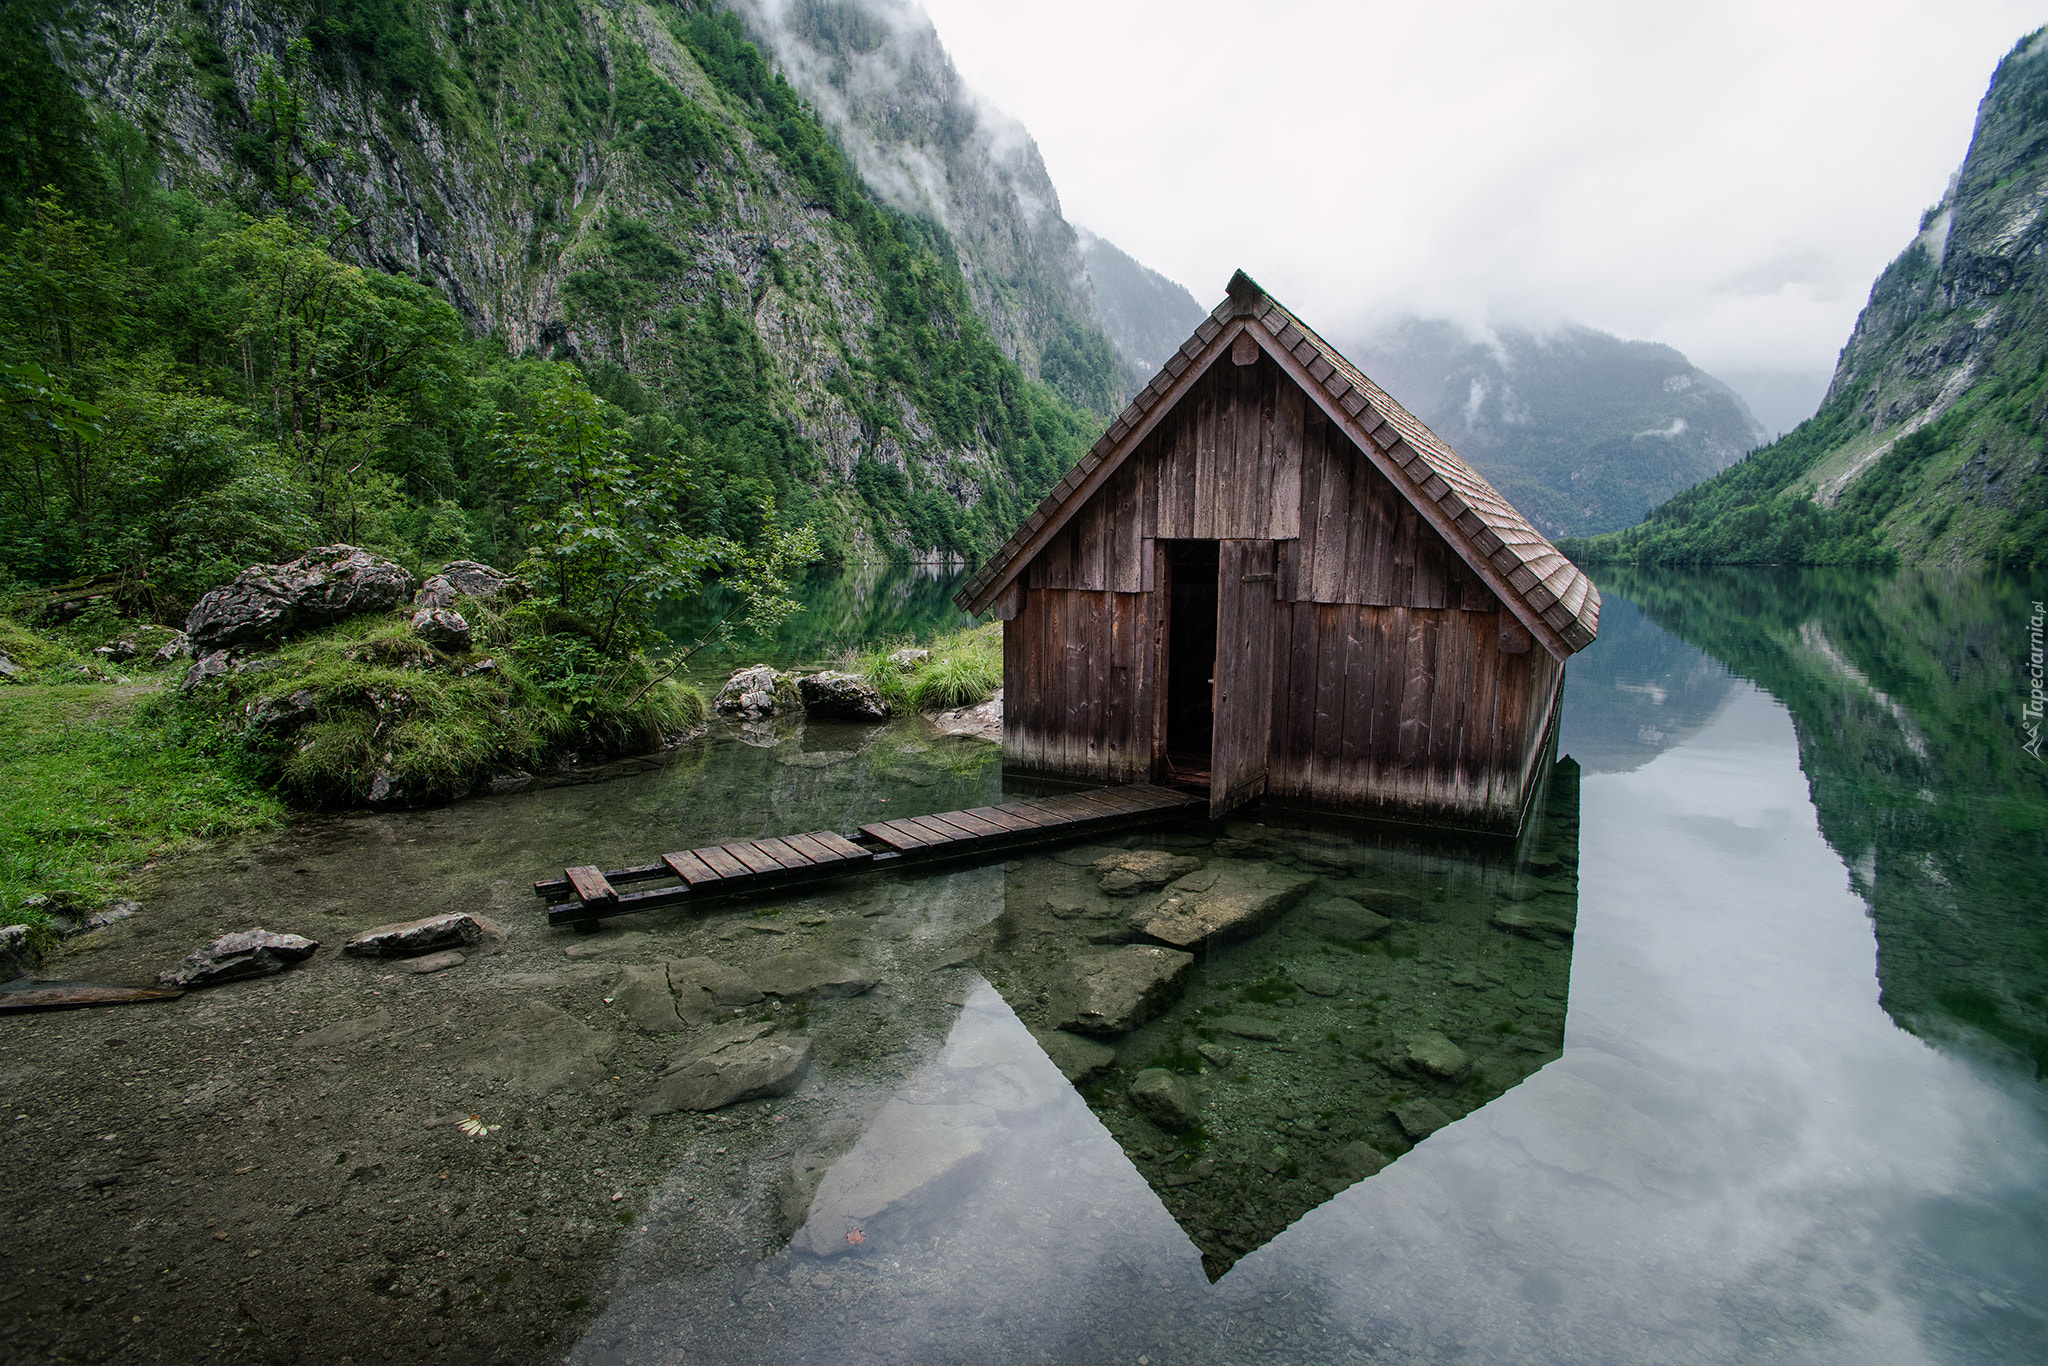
(97, 780)
(964, 668)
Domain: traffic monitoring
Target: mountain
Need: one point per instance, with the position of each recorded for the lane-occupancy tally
(1146, 315)
(1929, 445)
(880, 79)
(1584, 432)
(631, 185)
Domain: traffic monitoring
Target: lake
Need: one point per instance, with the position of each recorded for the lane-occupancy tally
(1736, 1056)
(1795, 1112)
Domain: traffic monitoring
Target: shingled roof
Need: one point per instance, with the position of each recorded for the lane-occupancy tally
(1547, 592)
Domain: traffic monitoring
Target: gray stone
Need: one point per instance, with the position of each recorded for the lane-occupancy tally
(1419, 1119)
(1317, 983)
(114, 913)
(1534, 922)
(176, 648)
(982, 721)
(272, 601)
(1109, 993)
(704, 989)
(645, 995)
(1165, 1098)
(744, 1062)
(281, 714)
(437, 962)
(842, 697)
(1079, 1060)
(456, 930)
(248, 953)
(10, 672)
(801, 976)
(909, 1156)
(1339, 917)
(1394, 905)
(1247, 1027)
(205, 669)
(908, 661)
(1431, 1053)
(19, 956)
(1355, 1162)
(1131, 871)
(758, 691)
(1215, 1054)
(467, 578)
(1244, 899)
(441, 628)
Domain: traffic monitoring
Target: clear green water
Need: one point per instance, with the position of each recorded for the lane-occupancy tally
(1794, 1112)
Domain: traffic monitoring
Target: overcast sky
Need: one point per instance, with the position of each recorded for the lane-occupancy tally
(1727, 176)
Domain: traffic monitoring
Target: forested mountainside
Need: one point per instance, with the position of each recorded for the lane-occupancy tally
(1584, 432)
(929, 146)
(298, 260)
(1930, 443)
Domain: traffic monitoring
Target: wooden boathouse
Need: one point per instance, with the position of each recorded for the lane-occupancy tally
(1269, 579)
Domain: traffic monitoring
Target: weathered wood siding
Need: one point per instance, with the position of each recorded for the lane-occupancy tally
(1400, 685)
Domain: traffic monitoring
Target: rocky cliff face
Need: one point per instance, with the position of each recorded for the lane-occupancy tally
(609, 181)
(1146, 315)
(1931, 444)
(1583, 432)
(879, 77)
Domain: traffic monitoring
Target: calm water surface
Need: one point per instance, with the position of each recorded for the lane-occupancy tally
(1752, 1033)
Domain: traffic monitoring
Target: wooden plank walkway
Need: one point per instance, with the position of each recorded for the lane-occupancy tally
(586, 894)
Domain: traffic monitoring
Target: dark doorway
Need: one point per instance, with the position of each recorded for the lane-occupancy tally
(1191, 660)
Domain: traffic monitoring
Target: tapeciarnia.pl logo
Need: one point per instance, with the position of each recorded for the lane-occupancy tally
(2031, 713)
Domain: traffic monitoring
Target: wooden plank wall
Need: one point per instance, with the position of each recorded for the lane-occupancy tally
(1391, 692)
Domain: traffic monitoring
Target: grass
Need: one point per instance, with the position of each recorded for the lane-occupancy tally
(95, 781)
(965, 669)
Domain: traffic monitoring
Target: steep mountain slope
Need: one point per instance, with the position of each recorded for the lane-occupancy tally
(879, 77)
(1929, 445)
(630, 185)
(1584, 432)
(1146, 315)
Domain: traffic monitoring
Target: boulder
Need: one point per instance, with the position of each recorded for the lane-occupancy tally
(467, 578)
(804, 976)
(208, 667)
(1430, 1054)
(279, 714)
(271, 601)
(1419, 1119)
(842, 697)
(173, 649)
(1244, 899)
(908, 661)
(19, 956)
(1165, 1098)
(247, 953)
(1339, 917)
(758, 691)
(1079, 1060)
(1131, 871)
(441, 628)
(1110, 993)
(744, 1062)
(407, 938)
(982, 721)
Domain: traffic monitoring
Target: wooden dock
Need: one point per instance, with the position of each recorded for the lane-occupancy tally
(583, 896)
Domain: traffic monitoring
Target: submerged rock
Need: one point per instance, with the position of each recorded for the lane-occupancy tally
(744, 1062)
(457, 930)
(1534, 922)
(843, 697)
(1431, 1053)
(271, 601)
(1419, 1119)
(1131, 871)
(803, 976)
(1244, 899)
(909, 1155)
(756, 692)
(1165, 1098)
(1110, 993)
(249, 953)
(1078, 1059)
(1339, 917)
